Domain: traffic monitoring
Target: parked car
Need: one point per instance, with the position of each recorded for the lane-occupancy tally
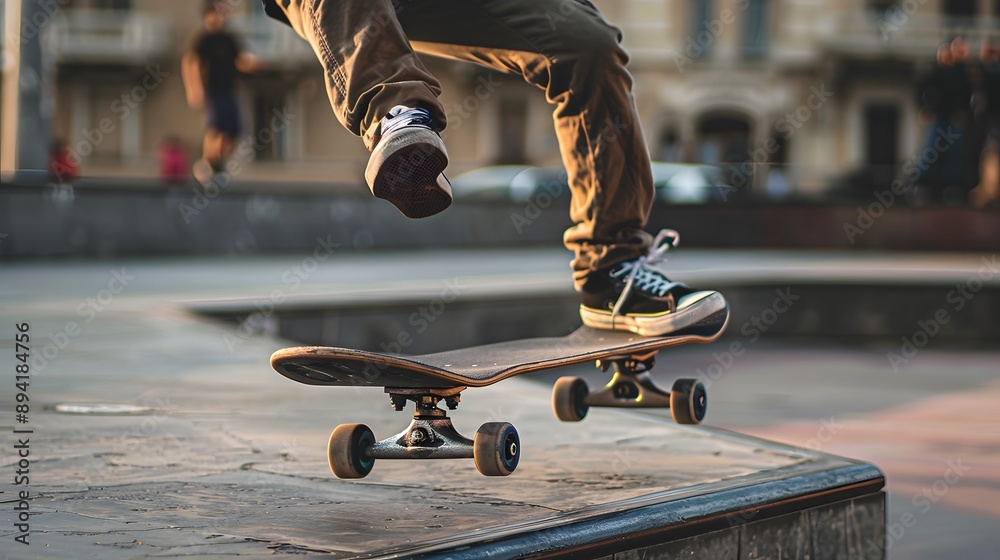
(518, 183)
(689, 183)
(675, 182)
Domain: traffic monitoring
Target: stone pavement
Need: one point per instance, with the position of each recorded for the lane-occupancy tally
(158, 433)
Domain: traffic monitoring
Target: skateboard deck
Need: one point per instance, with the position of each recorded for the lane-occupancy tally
(432, 378)
(477, 366)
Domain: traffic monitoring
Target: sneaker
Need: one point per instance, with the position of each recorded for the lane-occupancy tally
(406, 164)
(636, 296)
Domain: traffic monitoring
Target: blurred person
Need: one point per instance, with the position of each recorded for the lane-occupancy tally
(966, 80)
(210, 70)
(63, 166)
(381, 92)
(987, 192)
(174, 164)
(944, 96)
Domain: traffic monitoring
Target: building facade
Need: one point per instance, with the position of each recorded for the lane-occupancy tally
(820, 89)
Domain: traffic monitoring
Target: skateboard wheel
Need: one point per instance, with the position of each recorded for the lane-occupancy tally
(496, 449)
(348, 451)
(568, 399)
(688, 401)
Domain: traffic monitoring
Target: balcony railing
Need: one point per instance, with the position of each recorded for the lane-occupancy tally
(909, 35)
(109, 37)
(271, 41)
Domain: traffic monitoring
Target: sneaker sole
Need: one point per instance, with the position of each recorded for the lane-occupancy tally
(406, 171)
(691, 310)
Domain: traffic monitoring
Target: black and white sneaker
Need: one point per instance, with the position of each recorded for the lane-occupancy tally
(636, 296)
(407, 162)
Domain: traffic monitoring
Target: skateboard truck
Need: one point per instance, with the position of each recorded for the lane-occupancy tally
(352, 450)
(434, 383)
(631, 386)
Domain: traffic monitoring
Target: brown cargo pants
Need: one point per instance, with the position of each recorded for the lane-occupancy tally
(565, 47)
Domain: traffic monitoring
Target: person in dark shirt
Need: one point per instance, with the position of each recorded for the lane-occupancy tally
(987, 192)
(944, 96)
(964, 79)
(932, 94)
(210, 70)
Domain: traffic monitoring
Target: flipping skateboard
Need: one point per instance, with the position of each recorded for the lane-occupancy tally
(432, 378)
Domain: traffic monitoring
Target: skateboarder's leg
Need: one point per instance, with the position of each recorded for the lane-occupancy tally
(368, 62)
(371, 70)
(568, 49)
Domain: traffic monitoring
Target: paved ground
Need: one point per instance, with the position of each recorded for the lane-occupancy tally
(914, 425)
(933, 426)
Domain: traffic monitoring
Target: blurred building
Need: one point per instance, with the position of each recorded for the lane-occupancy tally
(823, 88)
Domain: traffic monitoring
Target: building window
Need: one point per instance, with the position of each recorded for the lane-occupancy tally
(880, 7)
(116, 4)
(959, 14)
(724, 140)
(960, 8)
(881, 141)
(513, 131)
(701, 28)
(755, 30)
(102, 4)
(670, 147)
(269, 136)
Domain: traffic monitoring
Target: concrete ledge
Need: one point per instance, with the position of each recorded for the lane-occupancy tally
(220, 455)
(817, 513)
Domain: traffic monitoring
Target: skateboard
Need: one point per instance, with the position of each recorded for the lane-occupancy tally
(431, 379)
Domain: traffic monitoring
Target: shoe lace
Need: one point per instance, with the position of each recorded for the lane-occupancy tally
(401, 117)
(642, 272)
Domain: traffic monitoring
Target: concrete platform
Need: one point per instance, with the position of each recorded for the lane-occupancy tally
(217, 454)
